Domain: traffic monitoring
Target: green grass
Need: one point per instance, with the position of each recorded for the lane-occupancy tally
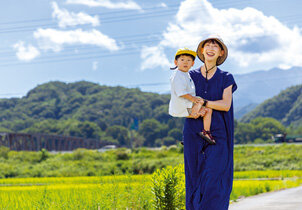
(138, 161)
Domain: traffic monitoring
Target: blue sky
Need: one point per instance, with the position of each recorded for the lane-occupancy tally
(132, 42)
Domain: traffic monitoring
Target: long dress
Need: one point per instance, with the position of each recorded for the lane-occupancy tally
(209, 168)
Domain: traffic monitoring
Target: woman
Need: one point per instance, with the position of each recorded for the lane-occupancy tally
(209, 168)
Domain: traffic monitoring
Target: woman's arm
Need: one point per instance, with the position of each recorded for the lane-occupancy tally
(225, 103)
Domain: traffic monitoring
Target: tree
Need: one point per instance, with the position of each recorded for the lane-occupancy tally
(259, 128)
(176, 134)
(150, 129)
(266, 127)
(244, 133)
(119, 133)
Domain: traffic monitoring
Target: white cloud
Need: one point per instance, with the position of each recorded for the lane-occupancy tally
(130, 5)
(55, 39)
(255, 41)
(162, 5)
(154, 57)
(66, 18)
(95, 65)
(26, 53)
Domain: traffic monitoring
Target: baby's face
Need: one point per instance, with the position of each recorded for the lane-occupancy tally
(184, 63)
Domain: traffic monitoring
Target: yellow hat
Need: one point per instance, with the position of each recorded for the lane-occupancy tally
(185, 51)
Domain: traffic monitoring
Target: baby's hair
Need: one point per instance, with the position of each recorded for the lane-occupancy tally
(213, 41)
(186, 54)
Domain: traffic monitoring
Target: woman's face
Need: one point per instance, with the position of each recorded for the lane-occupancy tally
(211, 51)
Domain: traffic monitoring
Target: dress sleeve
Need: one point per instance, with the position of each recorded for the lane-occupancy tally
(229, 80)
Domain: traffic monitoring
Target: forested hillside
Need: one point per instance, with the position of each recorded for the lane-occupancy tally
(286, 107)
(90, 110)
(127, 116)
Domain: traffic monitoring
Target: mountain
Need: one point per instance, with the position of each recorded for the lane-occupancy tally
(240, 112)
(256, 87)
(285, 107)
(56, 107)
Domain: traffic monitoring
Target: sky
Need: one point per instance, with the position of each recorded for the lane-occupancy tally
(132, 43)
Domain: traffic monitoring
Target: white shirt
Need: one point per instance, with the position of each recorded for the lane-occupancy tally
(181, 84)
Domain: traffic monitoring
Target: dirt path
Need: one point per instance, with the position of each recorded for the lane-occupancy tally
(289, 199)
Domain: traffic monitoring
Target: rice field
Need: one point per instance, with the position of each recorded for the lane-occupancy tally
(110, 192)
(119, 192)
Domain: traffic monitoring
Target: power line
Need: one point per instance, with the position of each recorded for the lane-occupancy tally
(128, 52)
(113, 19)
(78, 55)
(116, 19)
(122, 39)
(129, 42)
(89, 51)
(103, 14)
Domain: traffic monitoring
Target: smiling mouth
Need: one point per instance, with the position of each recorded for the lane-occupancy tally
(210, 54)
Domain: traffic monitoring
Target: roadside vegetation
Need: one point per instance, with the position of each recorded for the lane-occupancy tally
(120, 161)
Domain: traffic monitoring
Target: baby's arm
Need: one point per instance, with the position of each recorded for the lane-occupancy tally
(197, 104)
(192, 98)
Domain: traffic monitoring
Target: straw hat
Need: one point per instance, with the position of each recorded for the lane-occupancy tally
(220, 59)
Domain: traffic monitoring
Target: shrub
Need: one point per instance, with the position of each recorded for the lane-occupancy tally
(4, 152)
(122, 154)
(44, 155)
(168, 187)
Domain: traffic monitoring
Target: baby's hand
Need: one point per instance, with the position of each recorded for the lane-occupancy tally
(195, 111)
(195, 116)
(197, 100)
(202, 111)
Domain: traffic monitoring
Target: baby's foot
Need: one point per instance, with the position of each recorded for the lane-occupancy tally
(206, 135)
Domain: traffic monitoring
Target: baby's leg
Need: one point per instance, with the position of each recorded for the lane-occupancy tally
(207, 118)
(194, 112)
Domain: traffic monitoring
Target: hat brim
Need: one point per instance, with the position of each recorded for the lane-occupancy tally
(220, 59)
(185, 51)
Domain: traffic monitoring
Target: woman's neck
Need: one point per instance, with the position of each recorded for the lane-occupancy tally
(210, 67)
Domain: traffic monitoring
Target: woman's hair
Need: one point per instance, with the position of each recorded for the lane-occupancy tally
(177, 56)
(213, 41)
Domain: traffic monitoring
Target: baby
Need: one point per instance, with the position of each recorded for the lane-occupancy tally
(184, 102)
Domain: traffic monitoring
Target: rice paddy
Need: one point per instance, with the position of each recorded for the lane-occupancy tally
(119, 192)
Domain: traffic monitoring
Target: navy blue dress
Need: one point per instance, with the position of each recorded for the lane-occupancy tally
(209, 168)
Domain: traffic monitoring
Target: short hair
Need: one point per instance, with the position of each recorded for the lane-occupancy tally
(213, 41)
(186, 54)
